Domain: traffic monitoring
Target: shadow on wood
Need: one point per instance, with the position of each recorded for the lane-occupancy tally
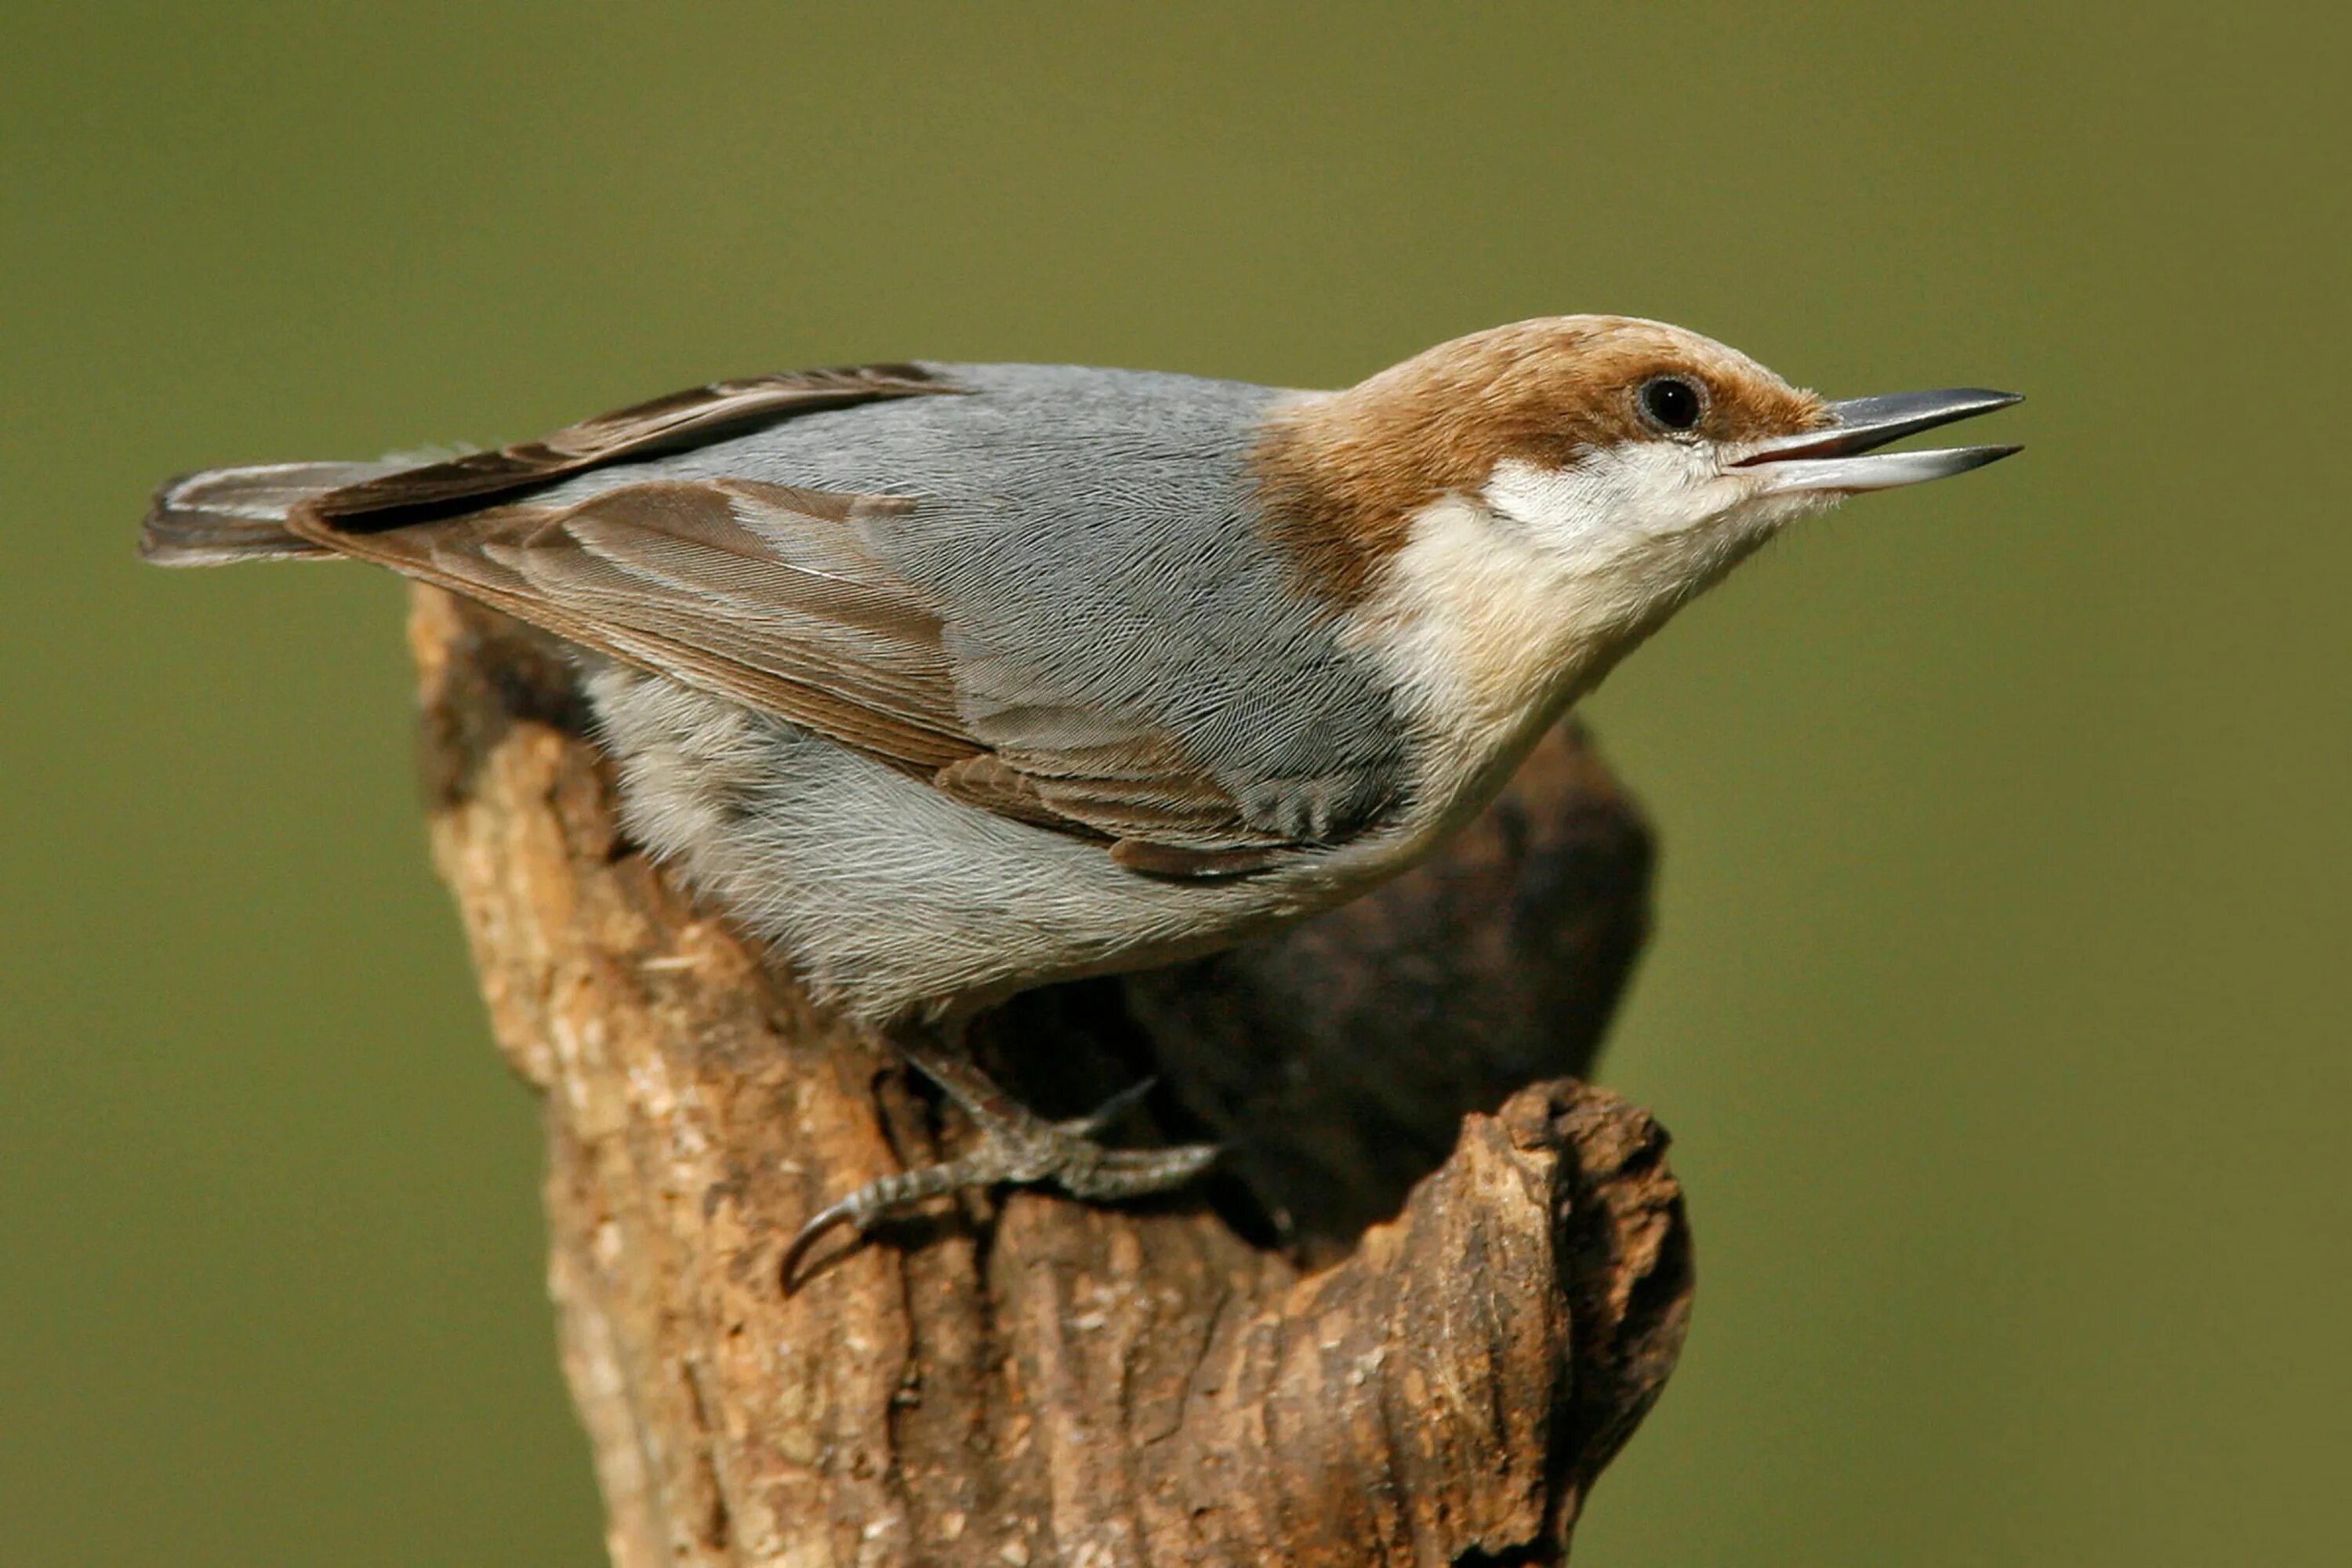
(1500, 1272)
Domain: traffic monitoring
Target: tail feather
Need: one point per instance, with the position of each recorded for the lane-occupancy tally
(224, 515)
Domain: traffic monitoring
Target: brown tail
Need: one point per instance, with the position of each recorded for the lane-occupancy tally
(224, 515)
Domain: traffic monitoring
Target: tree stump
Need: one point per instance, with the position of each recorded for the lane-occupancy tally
(1435, 1287)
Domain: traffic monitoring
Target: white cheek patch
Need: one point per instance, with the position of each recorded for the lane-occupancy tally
(1652, 520)
(1614, 499)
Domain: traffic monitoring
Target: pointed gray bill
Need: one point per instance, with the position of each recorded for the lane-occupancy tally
(1842, 457)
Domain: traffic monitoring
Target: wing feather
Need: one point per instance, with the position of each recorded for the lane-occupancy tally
(768, 594)
(691, 417)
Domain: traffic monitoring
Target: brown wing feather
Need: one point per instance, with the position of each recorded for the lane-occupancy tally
(990, 783)
(647, 574)
(683, 418)
(1144, 788)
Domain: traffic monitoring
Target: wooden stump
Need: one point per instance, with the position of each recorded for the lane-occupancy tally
(1433, 1289)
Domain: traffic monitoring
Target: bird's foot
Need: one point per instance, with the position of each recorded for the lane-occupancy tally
(1018, 1147)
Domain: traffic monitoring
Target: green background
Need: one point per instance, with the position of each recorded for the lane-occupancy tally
(1998, 1005)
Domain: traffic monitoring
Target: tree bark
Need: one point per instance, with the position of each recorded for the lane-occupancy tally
(1424, 1300)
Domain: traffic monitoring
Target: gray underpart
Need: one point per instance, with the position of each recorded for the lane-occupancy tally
(890, 901)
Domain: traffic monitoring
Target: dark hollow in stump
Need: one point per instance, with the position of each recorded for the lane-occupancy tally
(1436, 1286)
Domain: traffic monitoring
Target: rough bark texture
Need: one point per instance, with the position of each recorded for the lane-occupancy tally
(1501, 1268)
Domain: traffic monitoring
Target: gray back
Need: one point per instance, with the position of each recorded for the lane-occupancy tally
(1090, 539)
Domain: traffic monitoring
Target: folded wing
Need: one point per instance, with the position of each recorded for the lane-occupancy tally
(769, 594)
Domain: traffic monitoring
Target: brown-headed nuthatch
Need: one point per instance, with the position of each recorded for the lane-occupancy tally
(950, 680)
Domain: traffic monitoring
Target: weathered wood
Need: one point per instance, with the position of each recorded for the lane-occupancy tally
(1026, 1380)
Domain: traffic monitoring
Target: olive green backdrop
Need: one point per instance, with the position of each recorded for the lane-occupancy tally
(1998, 1003)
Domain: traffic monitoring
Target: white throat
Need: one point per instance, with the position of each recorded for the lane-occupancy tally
(1504, 607)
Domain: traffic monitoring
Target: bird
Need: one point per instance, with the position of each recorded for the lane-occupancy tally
(947, 681)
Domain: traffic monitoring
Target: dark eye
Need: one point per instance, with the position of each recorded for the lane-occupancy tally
(1672, 403)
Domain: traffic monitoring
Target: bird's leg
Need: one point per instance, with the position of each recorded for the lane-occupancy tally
(1017, 1146)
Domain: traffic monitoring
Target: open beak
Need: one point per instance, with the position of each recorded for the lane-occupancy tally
(1830, 458)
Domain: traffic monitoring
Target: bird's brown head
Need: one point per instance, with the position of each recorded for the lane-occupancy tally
(1618, 429)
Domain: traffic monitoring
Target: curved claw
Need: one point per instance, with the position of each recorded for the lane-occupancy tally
(823, 1220)
(900, 1189)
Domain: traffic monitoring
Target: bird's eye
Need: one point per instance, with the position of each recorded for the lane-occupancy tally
(1671, 403)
